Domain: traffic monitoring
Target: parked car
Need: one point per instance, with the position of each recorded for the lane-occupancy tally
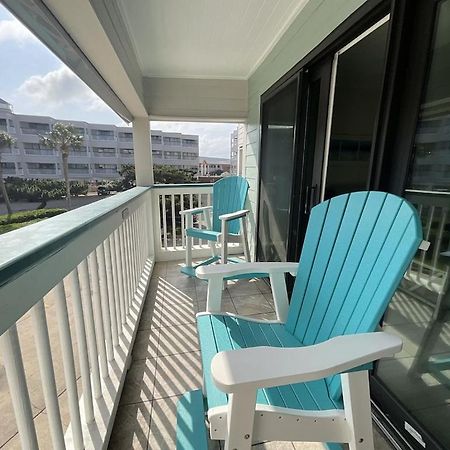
(103, 190)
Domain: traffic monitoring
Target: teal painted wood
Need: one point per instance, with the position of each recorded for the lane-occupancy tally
(226, 333)
(356, 250)
(229, 195)
(208, 345)
(27, 247)
(202, 233)
(191, 427)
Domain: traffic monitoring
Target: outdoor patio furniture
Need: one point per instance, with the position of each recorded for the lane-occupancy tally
(227, 224)
(304, 377)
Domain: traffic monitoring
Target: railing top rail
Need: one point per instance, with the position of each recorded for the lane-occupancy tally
(26, 247)
(185, 185)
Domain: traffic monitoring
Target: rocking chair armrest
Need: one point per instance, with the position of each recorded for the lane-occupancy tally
(199, 210)
(263, 367)
(226, 270)
(234, 215)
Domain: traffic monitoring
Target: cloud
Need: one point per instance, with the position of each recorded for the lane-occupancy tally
(13, 30)
(214, 138)
(58, 88)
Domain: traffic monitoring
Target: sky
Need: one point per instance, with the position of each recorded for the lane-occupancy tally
(36, 82)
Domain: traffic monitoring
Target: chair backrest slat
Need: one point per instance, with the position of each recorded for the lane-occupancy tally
(356, 250)
(229, 195)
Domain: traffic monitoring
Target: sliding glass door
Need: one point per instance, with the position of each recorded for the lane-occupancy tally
(419, 377)
(279, 116)
(356, 86)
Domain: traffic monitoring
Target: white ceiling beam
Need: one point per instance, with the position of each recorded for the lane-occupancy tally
(211, 100)
(82, 24)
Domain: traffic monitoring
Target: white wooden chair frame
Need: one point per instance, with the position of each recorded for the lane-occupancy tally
(224, 236)
(240, 373)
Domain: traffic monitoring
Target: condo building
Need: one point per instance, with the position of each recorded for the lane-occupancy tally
(105, 150)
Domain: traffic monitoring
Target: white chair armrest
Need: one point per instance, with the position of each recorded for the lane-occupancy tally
(199, 210)
(262, 367)
(234, 215)
(227, 270)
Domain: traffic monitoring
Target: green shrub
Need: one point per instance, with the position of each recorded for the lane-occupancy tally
(28, 216)
(15, 226)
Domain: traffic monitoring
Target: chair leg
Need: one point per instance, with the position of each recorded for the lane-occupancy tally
(244, 237)
(355, 391)
(188, 242)
(240, 418)
(224, 257)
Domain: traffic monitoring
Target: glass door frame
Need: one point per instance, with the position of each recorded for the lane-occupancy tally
(334, 69)
(410, 38)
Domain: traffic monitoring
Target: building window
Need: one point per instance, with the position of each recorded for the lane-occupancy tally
(106, 168)
(125, 136)
(104, 151)
(171, 140)
(127, 151)
(156, 139)
(32, 148)
(157, 153)
(34, 128)
(189, 142)
(41, 168)
(105, 135)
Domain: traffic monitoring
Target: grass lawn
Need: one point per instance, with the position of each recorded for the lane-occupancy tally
(23, 218)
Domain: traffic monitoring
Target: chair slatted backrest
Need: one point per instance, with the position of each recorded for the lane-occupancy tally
(356, 250)
(229, 195)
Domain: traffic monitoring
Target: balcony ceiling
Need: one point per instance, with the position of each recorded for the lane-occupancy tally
(167, 59)
(205, 38)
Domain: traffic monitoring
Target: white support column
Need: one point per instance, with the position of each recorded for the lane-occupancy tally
(142, 151)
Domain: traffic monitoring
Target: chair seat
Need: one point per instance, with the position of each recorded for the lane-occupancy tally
(207, 235)
(220, 333)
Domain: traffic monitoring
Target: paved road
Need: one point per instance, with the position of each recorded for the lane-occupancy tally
(76, 203)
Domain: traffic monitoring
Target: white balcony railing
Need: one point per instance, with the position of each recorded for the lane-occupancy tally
(77, 283)
(168, 201)
(93, 265)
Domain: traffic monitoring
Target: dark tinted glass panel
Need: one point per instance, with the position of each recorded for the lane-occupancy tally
(277, 152)
(419, 376)
(357, 93)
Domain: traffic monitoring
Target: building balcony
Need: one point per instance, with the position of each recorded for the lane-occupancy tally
(41, 171)
(103, 340)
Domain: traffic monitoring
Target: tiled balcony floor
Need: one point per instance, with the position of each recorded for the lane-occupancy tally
(166, 359)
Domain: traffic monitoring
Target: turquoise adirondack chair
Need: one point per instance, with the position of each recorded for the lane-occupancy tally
(304, 377)
(228, 222)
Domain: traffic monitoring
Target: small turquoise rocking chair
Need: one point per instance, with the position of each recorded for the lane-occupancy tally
(304, 377)
(227, 224)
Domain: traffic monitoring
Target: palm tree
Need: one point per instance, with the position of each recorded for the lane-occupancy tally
(63, 138)
(6, 141)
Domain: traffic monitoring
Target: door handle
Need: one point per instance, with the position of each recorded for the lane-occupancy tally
(310, 198)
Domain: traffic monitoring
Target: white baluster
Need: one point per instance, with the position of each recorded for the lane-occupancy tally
(123, 258)
(98, 316)
(128, 259)
(201, 218)
(115, 279)
(68, 363)
(164, 217)
(82, 346)
(105, 302)
(174, 229)
(83, 273)
(183, 238)
(15, 374)
(119, 270)
(44, 353)
(111, 296)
